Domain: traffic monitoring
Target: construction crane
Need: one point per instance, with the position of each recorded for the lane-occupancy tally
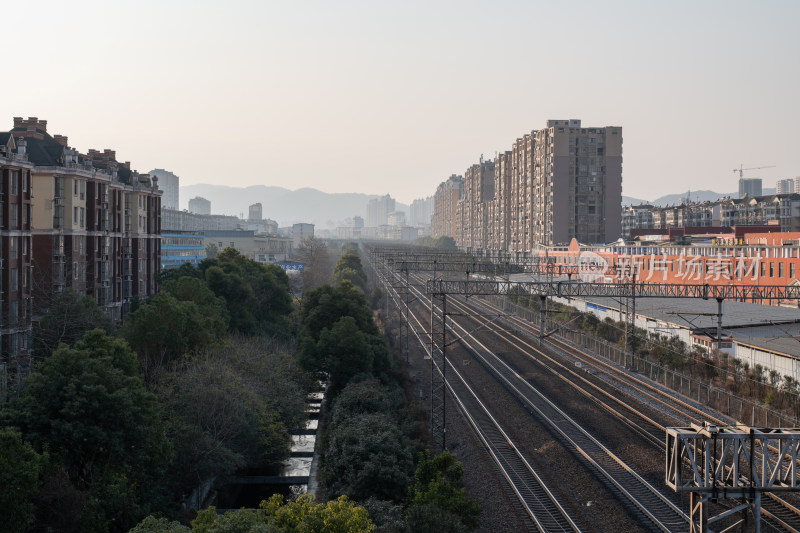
(741, 170)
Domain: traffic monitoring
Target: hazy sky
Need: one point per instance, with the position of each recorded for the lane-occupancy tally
(381, 96)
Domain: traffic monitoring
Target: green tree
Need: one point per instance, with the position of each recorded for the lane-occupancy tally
(437, 481)
(211, 250)
(69, 317)
(232, 407)
(357, 399)
(165, 328)
(299, 516)
(186, 270)
(191, 289)
(152, 524)
(349, 268)
(88, 406)
(20, 467)
(346, 352)
(324, 306)
(368, 456)
(258, 296)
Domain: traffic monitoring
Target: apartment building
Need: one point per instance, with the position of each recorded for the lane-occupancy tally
(378, 210)
(636, 217)
(448, 193)
(422, 211)
(555, 184)
(749, 187)
(499, 207)
(782, 209)
(576, 184)
(472, 211)
(95, 224)
(15, 261)
(169, 184)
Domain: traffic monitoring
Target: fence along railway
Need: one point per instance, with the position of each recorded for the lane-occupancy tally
(392, 264)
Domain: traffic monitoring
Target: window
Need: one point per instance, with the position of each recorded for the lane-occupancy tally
(12, 242)
(26, 176)
(14, 178)
(83, 190)
(75, 270)
(771, 270)
(780, 270)
(74, 187)
(791, 270)
(83, 212)
(13, 280)
(13, 214)
(74, 215)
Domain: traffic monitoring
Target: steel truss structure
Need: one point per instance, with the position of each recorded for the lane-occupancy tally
(712, 463)
(574, 289)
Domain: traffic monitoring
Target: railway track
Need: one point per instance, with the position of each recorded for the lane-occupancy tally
(673, 405)
(643, 499)
(542, 507)
(784, 514)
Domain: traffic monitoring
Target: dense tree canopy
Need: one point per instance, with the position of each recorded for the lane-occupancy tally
(164, 328)
(349, 268)
(20, 467)
(339, 335)
(437, 483)
(273, 516)
(88, 406)
(232, 407)
(324, 306)
(257, 296)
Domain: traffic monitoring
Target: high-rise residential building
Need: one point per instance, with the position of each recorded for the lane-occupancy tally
(378, 210)
(575, 183)
(787, 186)
(16, 265)
(472, 212)
(94, 224)
(255, 213)
(397, 218)
(422, 211)
(749, 187)
(499, 208)
(169, 184)
(445, 201)
(199, 206)
(555, 184)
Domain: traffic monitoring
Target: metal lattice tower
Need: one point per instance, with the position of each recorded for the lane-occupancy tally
(714, 463)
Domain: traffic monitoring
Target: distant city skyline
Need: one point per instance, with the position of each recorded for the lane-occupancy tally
(394, 98)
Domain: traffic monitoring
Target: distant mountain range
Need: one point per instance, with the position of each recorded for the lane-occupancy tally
(285, 206)
(695, 196)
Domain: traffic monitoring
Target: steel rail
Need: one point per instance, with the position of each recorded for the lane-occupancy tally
(650, 502)
(538, 500)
